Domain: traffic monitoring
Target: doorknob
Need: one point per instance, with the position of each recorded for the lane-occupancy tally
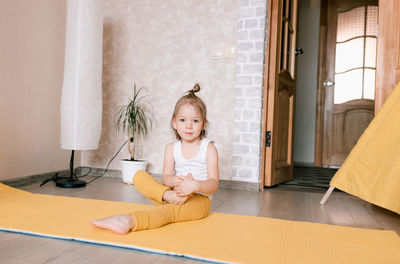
(298, 51)
(329, 83)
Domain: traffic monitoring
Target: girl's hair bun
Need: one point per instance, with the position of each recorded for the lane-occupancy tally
(196, 88)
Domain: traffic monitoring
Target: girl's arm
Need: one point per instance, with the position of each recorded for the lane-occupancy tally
(212, 182)
(168, 177)
(189, 185)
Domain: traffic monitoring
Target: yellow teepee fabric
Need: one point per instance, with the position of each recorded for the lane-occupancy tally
(372, 169)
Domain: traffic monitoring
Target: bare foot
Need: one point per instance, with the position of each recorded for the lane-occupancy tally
(172, 198)
(120, 224)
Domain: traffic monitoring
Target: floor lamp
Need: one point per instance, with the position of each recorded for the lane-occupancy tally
(81, 97)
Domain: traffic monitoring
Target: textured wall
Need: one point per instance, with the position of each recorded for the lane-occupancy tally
(166, 46)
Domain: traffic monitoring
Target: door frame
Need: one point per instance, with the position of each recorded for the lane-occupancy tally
(269, 33)
(320, 95)
(388, 51)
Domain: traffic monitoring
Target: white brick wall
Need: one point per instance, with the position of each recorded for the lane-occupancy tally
(248, 90)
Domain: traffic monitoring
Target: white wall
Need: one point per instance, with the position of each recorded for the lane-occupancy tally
(306, 84)
(31, 72)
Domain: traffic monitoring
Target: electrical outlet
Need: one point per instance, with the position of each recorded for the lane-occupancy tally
(226, 52)
(230, 52)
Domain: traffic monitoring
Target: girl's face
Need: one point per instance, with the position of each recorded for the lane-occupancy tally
(188, 122)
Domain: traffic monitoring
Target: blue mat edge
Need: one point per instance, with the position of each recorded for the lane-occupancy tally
(112, 245)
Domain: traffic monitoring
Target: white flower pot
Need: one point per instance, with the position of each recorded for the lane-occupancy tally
(129, 168)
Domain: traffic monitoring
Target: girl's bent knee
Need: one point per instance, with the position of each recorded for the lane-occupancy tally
(139, 174)
(202, 208)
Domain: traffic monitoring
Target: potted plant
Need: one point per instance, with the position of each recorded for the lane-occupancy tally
(135, 120)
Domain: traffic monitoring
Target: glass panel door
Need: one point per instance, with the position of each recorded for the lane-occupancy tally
(355, 62)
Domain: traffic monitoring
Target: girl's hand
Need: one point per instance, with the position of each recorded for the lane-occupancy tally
(187, 186)
(176, 181)
(172, 198)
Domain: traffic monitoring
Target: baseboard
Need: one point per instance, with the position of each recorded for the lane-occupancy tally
(239, 185)
(28, 180)
(230, 185)
(303, 164)
(224, 184)
(110, 173)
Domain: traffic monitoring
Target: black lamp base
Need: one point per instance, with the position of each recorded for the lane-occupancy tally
(70, 183)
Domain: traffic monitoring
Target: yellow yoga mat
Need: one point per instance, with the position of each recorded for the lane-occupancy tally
(219, 237)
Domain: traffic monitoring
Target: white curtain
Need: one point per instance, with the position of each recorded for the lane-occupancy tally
(81, 101)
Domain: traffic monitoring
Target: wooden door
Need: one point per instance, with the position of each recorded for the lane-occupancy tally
(348, 85)
(279, 92)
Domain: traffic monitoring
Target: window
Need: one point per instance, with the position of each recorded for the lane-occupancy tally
(287, 36)
(355, 63)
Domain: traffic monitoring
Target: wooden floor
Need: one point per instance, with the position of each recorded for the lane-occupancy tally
(282, 203)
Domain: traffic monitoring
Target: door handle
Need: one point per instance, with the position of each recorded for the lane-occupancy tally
(329, 83)
(298, 51)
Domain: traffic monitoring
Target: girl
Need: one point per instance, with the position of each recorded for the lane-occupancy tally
(190, 174)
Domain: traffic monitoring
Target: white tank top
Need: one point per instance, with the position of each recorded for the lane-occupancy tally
(197, 166)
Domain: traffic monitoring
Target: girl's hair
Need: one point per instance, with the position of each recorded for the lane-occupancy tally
(191, 98)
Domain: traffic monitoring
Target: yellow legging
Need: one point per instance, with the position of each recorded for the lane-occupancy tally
(196, 207)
